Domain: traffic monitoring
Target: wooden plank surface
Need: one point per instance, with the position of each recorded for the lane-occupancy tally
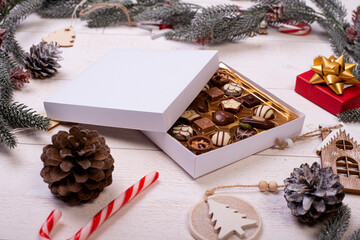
(161, 212)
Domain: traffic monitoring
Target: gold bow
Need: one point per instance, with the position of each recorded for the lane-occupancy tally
(334, 72)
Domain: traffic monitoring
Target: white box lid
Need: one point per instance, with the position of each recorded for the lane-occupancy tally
(135, 89)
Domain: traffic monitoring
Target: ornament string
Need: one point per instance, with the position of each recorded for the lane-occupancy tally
(95, 7)
(73, 15)
(316, 133)
(263, 186)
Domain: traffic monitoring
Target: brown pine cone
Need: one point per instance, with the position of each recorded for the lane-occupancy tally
(77, 165)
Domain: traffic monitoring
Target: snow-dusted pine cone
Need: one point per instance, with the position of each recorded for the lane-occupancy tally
(43, 59)
(311, 192)
(77, 165)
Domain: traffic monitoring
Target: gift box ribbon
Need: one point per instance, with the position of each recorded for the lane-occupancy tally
(334, 72)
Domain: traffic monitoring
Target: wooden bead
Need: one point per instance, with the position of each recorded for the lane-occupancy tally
(263, 186)
(273, 186)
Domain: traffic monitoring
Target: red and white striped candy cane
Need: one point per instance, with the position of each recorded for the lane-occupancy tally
(297, 29)
(104, 214)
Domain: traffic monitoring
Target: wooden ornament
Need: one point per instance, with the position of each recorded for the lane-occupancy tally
(224, 217)
(342, 153)
(63, 37)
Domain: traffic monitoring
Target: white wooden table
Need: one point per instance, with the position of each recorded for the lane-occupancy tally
(162, 211)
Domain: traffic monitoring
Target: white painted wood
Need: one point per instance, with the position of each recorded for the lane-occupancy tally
(272, 61)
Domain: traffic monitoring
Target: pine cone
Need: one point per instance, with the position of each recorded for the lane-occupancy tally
(43, 59)
(313, 192)
(78, 165)
(19, 76)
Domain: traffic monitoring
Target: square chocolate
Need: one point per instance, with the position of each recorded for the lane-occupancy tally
(250, 101)
(189, 116)
(214, 93)
(204, 125)
(231, 104)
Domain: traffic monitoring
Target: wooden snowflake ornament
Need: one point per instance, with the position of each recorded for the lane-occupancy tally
(224, 217)
(63, 37)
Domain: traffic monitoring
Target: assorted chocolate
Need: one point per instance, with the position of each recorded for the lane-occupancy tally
(258, 122)
(264, 111)
(199, 144)
(225, 111)
(231, 104)
(223, 118)
(182, 132)
(214, 94)
(250, 101)
(204, 125)
(221, 138)
(190, 116)
(233, 89)
(200, 105)
(220, 78)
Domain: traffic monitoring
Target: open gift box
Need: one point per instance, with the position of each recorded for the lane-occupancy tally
(149, 90)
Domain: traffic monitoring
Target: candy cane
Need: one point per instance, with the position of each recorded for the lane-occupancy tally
(297, 29)
(104, 214)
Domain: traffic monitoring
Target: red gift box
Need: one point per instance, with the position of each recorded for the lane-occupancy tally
(324, 97)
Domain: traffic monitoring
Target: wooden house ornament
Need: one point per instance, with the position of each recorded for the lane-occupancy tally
(342, 153)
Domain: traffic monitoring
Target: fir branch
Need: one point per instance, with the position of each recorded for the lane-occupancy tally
(21, 10)
(20, 116)
(296, 11)
(60, 8)
(337, 225)
(355, 236)
(334, 10)
(5, 134)
(176, 14)
(112, 15)
(6, 86)
(352, 115)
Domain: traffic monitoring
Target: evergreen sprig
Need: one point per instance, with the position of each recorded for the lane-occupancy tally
(355, 236)
(5, 134)
(19, 115)
(15, 115)
(337, 225)
(352, 115)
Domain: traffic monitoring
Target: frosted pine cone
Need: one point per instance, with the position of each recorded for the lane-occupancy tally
(78, 165)
(312, 192)
(43, 59)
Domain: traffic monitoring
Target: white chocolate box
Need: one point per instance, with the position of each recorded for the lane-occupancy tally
(165, 93)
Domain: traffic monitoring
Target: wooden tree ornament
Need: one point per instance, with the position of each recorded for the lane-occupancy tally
(63, 37)
(224, 217)
(342, 153)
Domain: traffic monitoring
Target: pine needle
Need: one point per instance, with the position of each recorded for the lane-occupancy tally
(350, 115)
(337, 225)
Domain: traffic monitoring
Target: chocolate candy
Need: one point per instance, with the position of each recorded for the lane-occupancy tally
(199, 105)
(258, 122)
(220, 78)
(204, 125)
(200, 144)
(206, 87)
(250, 101)
(189, 116)
(223, 118)
(221, 139)
(182, 132)
(214, 93)
(233, 89)
(230, 104)
(245, 126)
(241, 134)
(264, 112)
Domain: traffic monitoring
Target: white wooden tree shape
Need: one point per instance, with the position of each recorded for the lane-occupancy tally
(228, 220)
